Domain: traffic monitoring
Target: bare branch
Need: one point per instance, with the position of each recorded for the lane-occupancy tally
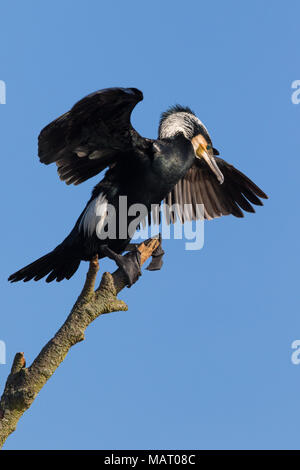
(23, 384)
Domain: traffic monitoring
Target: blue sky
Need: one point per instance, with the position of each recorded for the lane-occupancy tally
(202, 359)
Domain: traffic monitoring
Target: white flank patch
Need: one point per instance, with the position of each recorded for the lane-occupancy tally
(94, 216)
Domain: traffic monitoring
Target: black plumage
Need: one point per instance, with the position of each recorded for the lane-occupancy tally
(178, 168)
(200, 186)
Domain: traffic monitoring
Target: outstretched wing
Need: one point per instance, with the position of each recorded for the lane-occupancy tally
(91, 135)
(200, 186)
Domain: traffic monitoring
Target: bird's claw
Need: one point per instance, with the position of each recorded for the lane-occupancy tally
(157, 258)
(157, 255)
(130, 264)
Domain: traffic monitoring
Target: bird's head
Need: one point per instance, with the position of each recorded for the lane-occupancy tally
(181, 120)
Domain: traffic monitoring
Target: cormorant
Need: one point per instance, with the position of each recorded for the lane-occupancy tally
(179, 167)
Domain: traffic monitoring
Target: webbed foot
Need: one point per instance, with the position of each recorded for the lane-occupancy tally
(129, 263)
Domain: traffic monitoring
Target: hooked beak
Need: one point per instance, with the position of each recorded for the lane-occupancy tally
(201, 151)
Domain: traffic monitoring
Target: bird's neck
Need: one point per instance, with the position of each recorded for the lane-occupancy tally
(176, 158)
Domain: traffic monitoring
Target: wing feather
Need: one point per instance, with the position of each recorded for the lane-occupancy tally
(92, 135)
(200, 186)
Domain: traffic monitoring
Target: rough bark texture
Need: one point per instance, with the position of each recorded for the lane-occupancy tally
(24, 383)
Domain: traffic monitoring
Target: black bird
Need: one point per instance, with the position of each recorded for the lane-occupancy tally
(179, 168)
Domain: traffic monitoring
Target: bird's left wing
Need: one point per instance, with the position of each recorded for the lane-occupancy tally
(91, 135)
(200, 186)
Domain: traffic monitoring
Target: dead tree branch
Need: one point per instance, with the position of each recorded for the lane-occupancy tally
(24, 383)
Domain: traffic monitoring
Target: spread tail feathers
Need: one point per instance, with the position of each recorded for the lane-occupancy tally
(56, 264)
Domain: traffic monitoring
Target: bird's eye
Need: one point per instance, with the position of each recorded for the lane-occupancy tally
(208, 147)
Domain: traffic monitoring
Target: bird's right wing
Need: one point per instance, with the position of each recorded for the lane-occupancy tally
(91, 135)
(200, 186)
